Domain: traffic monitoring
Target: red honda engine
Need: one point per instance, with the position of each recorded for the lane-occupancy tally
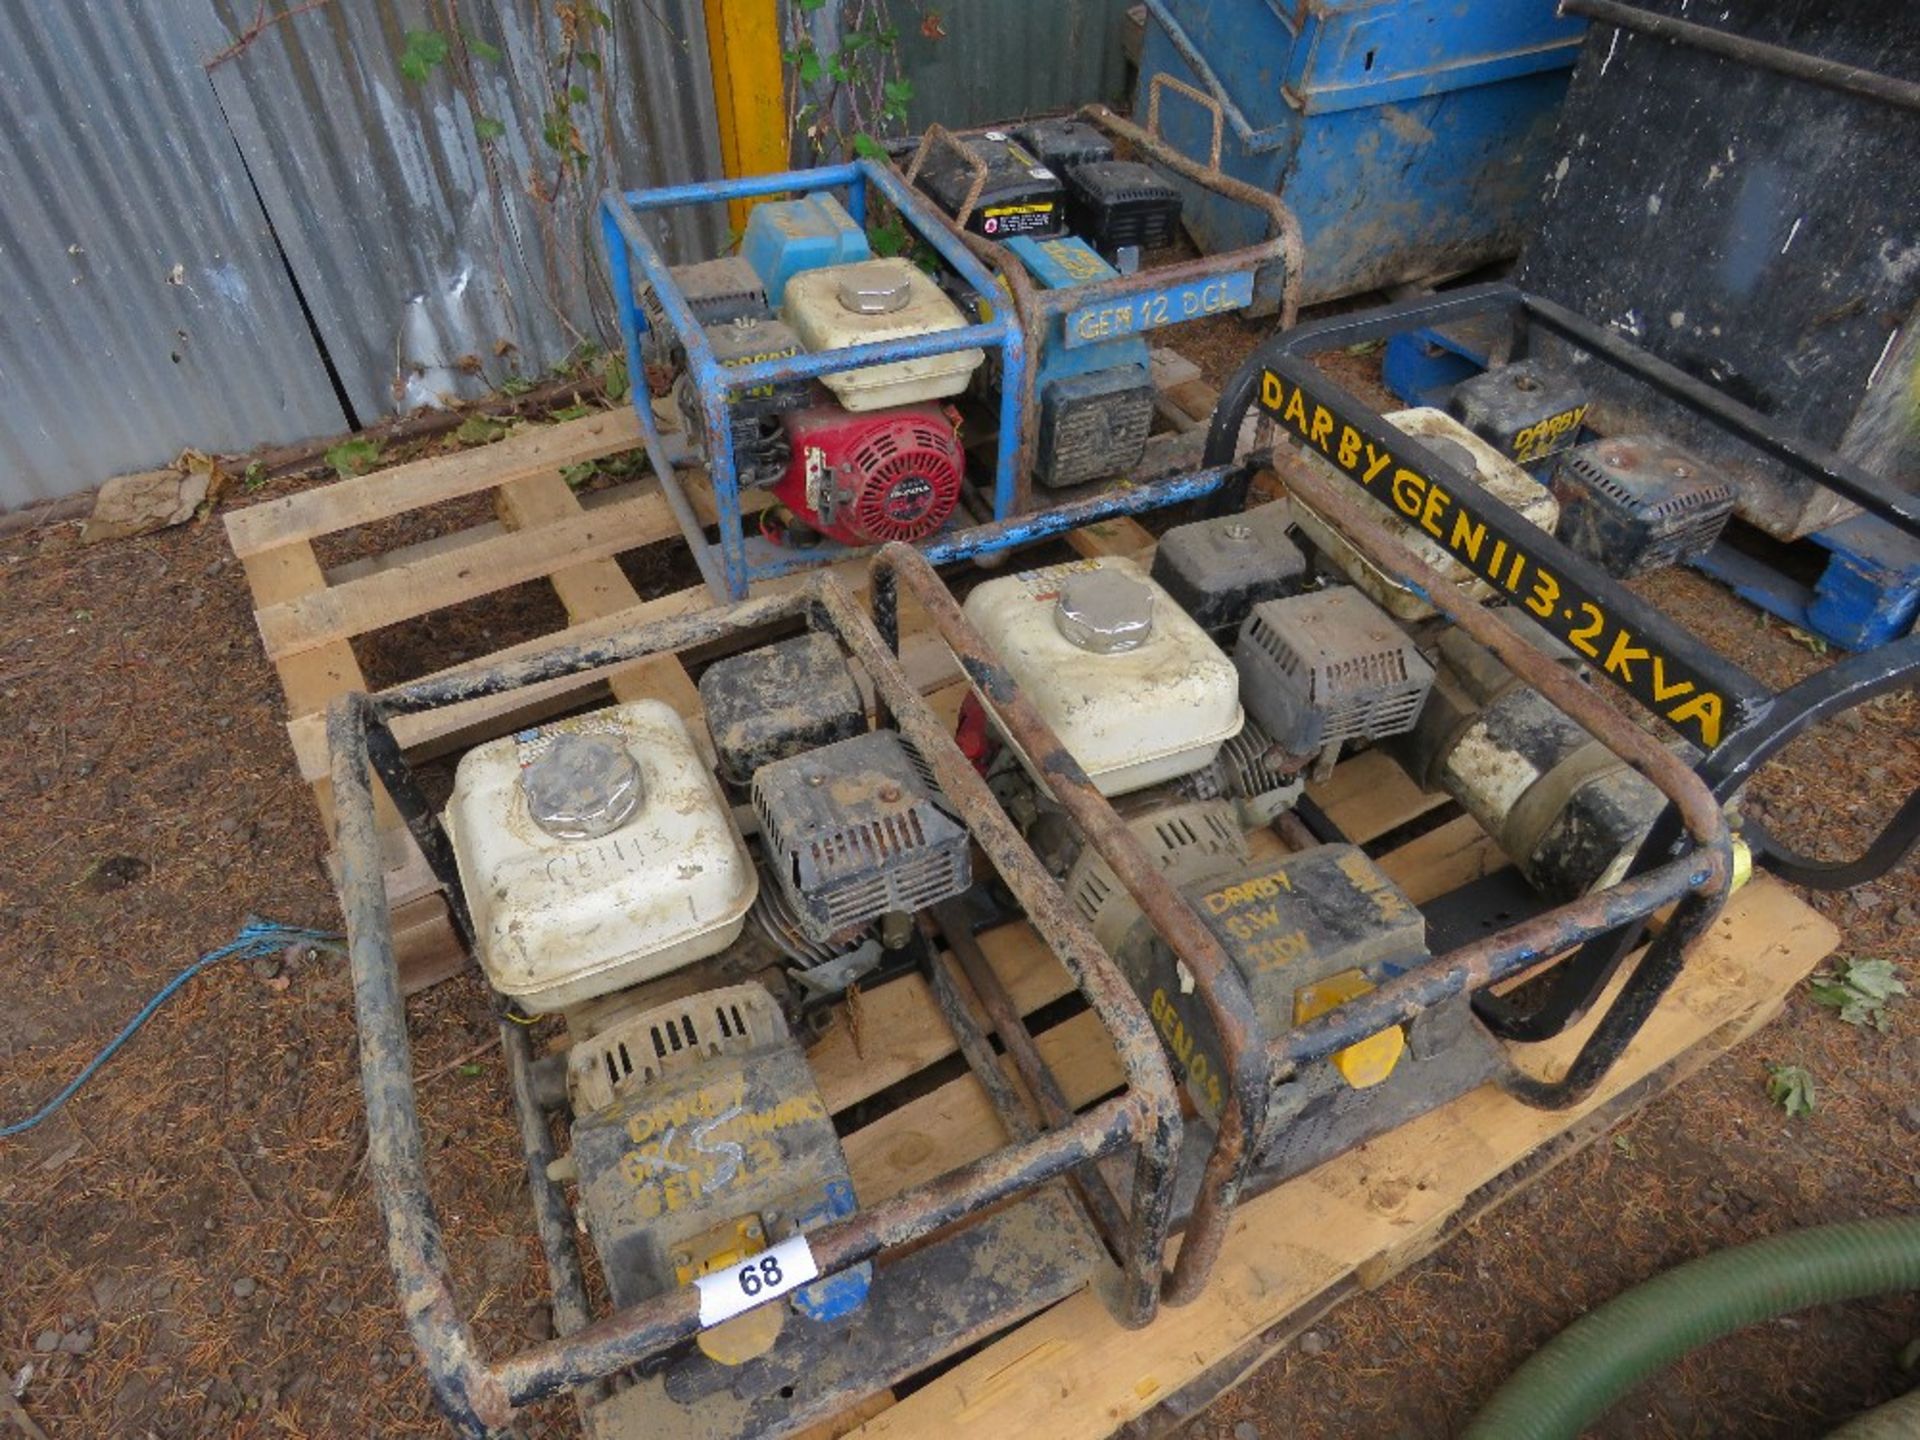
(864, 479)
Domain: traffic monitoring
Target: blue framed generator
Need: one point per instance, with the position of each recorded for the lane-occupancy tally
(1411, 138)
(859, 399)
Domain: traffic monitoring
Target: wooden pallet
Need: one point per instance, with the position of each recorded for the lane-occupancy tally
(1349, 1226)
(1296, 1252)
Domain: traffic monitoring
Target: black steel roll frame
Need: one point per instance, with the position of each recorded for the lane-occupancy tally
(1763, 720)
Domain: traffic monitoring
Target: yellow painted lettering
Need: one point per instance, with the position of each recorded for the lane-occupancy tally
(1430, 513)
(1622, 654)
(1409, 490)
(1295, 414)
(1704, 710)
(1663, 692)
(1469, 535)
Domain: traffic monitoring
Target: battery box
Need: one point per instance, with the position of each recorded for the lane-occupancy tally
(1526, 410)
(1122, 204)
(1064, 143)
(1021, 195)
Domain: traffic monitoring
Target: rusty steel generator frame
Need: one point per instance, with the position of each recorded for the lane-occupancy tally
(1734, 722)
(1132, 1205)
(1264, 276)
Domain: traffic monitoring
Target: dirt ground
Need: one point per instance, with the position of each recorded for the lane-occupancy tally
(190, 1247)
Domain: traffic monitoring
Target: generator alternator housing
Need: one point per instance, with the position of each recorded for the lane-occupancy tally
(700, 1138)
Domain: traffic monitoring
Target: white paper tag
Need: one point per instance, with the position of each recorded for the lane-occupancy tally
(774, 1271)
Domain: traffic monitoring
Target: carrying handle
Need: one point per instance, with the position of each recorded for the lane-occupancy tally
(939, 133)
(1199, 97)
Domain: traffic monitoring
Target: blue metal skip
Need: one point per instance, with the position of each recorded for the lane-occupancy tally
(1410, 137)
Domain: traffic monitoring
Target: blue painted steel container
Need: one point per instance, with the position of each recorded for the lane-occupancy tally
(1410, 137)
(784, 237)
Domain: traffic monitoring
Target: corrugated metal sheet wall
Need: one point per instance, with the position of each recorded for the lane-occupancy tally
(148, 308)
(167, 221)
(1005, 58)
(421, 249)
(145, 308)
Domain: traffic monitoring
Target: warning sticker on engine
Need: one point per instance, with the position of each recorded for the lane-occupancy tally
(1029, 219)
(755, 1280)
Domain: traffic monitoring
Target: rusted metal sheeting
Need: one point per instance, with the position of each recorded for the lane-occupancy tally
(147, 309)
(428, 262)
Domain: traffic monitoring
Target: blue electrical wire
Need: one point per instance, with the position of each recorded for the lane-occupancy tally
(256, 938)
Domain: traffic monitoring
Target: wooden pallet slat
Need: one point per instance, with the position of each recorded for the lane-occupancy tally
(364, 499)
(453, 577)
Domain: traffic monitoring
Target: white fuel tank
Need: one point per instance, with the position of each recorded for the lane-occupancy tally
(1135, 689)
(596, 852)
(838, 306)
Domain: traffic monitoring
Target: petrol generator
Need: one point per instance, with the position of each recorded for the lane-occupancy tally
(872, 397)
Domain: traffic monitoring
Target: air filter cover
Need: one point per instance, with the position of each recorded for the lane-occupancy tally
(1636, 503)
(856, 829)
(1326, 667)
(778, 701)
(1219, 569)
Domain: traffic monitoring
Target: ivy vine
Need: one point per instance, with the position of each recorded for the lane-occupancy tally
(842, 97)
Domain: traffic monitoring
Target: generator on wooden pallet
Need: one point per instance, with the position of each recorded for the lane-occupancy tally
(1505, 736)
(684, 952)
(807, 364)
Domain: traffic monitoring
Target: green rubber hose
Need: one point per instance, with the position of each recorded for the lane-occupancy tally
(1583, 1370)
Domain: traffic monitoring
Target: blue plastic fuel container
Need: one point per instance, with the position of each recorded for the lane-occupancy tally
(785, 237)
